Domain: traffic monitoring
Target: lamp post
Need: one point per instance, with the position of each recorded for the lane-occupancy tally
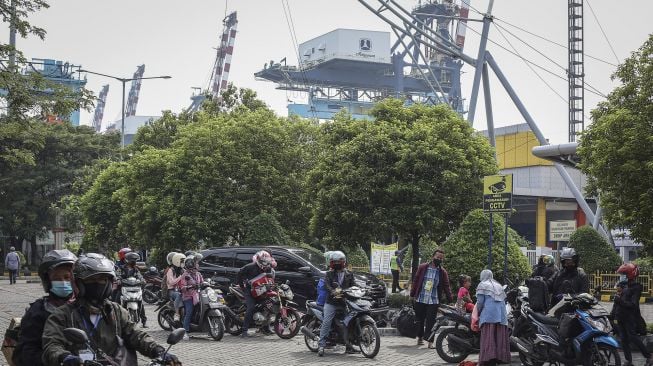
(124, 81)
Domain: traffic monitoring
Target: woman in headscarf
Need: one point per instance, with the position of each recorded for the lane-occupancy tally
(493, 320)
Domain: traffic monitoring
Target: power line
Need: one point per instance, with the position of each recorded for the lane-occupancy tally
(602, 31)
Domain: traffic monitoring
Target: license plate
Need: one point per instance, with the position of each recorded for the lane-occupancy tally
(381, 301)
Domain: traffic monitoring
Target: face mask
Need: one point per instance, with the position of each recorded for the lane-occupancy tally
(61, 289)
(623, 277)
(437, 262)
(337, 266)
(96, 292)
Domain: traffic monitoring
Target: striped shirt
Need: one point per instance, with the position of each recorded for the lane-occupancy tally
(429, 292)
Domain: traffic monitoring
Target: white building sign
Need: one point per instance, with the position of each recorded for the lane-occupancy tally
(561, 230)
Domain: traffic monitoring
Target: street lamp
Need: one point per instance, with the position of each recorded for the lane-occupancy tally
(123, 81)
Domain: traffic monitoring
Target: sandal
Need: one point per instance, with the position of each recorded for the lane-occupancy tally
(431, 345)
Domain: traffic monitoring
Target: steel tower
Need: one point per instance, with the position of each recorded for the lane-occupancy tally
(576, 69)
(99, 109)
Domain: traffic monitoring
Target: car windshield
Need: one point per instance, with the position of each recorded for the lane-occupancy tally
(313, 258)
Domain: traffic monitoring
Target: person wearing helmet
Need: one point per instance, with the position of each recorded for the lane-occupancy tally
(338, 278)
(545, 267)
(120, 263)
(262, 262)
(628, 315)
(571, 279)
(106, 323)
(12, 263)
(164, 279)
(189, 284)
(172, 278)
(56, 273)
(130, 270)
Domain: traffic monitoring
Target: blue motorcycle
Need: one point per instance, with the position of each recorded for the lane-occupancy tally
(575, 332)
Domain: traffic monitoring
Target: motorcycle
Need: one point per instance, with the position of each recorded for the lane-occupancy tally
(274, 306)
(131, 297)
(575, 331)
(152, 290)
(94, 356)
(356, 321)
(207, 316)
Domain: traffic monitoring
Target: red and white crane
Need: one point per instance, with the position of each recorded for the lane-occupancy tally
(99, 108)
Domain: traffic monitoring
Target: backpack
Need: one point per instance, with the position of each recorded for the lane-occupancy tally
(10, 340)
(322, 292)
(538, 294)
(406, 322)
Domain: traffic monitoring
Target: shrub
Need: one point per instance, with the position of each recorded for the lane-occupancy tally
(357, 257)
(595, 253)
(263, 230)
(396, 301)
(466, 250)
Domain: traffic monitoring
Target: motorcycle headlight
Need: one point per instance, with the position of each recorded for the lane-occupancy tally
(601, 324)
(211, 294)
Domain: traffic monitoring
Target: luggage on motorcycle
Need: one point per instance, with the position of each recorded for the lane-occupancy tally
(538, 294)
(569, 326)
(11, 339)
(406, 322)
(322, 292)
(260, 285)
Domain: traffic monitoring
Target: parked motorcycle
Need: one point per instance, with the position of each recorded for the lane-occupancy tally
(94, 356)
(356, 320)
(207, 316)
(575, 331)
(274, 306)
(131, 297)
(152, 290)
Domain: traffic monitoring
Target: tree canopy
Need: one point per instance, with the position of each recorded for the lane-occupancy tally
(411, 171)
(617, 148)
(595, 253)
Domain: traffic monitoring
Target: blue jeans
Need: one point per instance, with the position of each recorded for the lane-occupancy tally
(327, 318)
(175, 297)
(188, 313)
(251, 304)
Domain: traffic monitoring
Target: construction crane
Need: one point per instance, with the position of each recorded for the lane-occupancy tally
(99, 109)
(576, 70)
(134, 91)
(222, 64)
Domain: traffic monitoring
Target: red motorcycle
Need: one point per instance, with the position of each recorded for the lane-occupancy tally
(152, 290)
(274, 307)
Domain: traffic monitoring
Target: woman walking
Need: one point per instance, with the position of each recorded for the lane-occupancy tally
(493, 320)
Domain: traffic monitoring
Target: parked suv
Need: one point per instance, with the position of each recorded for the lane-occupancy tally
(303, 268)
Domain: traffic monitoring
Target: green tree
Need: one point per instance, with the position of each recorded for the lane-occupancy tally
(263, 230)
(595, 253)
(466, 250)
(411, 171)
(616, 150)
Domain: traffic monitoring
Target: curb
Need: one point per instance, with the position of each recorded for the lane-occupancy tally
(385, 332)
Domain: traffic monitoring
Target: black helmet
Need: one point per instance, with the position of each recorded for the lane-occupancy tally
(569, 253)
(189, 263)
(132, 257)
(52, 260)
(93, 264)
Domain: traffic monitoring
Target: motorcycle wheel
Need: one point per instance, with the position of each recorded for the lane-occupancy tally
(232, 326)
(525, 360)
(447, 352)
(314, 327)
(369, 339)
(216, 328)
(133, 316)
(165, 318)
(150, 294)
(290, 327)
(602, 355)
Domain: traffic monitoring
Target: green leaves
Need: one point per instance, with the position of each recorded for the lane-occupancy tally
(596, 254)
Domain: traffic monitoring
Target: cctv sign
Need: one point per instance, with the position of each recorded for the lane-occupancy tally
(497, 193)
(561, 230)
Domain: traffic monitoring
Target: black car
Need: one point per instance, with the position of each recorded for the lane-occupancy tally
(303, 268)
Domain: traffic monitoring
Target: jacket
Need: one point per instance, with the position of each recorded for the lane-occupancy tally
(114, 322)
(578, 283)
(171, 279)
(29, 348)
(127, 272)
(490, 310)
(444, 288)
(542, 270)
(12, 260)
(331, 284)
(189, 284)
(626, 307)
(247, 272)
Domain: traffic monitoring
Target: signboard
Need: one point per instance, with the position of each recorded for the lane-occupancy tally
(381, 254)
(497, 193)
(561, 230)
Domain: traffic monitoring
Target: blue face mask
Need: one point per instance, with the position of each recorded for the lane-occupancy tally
(61, 289)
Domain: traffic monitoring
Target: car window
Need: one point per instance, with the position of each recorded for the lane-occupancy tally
(219, 259)
(242, 259)
(286, 264)
(315, 259)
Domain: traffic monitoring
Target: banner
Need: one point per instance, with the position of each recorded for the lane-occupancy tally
(381, 254)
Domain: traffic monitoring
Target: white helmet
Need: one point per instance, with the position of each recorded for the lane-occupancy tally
(178, 260)
(169, 257)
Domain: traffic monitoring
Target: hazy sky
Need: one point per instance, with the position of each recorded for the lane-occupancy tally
(178, 38)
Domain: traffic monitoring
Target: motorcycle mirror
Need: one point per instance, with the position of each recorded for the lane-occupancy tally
(306, 270)
(175, 336)
(76, 336)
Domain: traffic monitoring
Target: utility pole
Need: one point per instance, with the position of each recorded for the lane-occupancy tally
(12, 35)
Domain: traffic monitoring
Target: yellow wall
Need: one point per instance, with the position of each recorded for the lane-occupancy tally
(540, 223)
(514, 150)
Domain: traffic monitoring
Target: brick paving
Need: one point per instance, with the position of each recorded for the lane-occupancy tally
(259, 350)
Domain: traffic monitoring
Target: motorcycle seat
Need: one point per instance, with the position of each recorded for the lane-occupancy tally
(544, 318)
(314, 305)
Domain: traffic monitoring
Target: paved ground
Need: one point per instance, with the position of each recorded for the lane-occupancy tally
(260, 350)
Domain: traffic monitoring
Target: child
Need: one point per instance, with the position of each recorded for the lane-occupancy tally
(464, 302)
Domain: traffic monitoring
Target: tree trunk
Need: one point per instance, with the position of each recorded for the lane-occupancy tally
(415, 246)
(35, 253)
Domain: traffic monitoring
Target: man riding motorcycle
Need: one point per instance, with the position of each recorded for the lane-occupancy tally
(338, 278)
(106, 324)
(571, 279)
(262, 263)
(130, 270)
(545, 267)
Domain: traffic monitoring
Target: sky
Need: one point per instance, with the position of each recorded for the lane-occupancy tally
(178, 38)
